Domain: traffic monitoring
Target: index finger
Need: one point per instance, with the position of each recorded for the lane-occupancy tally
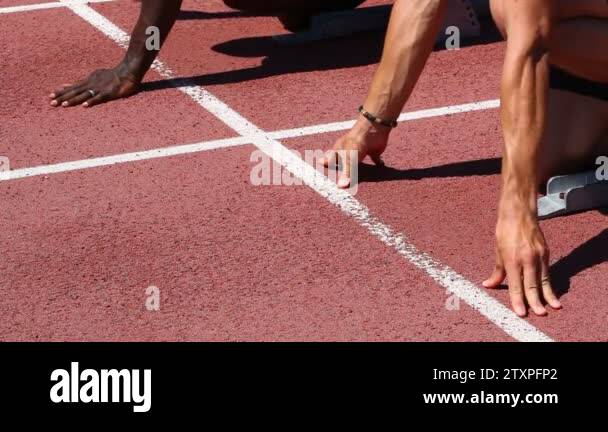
(66, 88)
(347, 158)
(516, 290)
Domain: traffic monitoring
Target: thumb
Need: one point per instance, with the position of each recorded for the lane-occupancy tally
(498, 275)
(331, 158)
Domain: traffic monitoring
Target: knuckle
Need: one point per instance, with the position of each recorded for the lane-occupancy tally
(102, 96)
(528, 256)
(515, 292)
(531, 293)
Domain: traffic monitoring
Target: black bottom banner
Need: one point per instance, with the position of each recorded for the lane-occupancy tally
(216, 381)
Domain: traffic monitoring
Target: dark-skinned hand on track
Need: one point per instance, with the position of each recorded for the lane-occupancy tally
(101, 86)
(124, 80)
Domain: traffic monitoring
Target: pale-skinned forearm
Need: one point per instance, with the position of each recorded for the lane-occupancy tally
(410, 39)
(524, 106)
(524, 93)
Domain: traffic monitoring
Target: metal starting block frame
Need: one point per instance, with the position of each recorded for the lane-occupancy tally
(333, 25)
(572, 194)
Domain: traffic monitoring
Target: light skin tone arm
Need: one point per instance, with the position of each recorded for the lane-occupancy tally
(522, 252)
(124, 79)
(410, 39)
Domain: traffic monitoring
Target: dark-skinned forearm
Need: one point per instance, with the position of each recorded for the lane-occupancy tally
(410, 39)
(161, 14)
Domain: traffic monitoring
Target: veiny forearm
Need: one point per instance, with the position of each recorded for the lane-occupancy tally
(524, 93)
(524, 106)
(410, 39)
(158, 13)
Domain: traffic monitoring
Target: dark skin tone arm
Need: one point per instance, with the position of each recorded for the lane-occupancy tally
(124, 79)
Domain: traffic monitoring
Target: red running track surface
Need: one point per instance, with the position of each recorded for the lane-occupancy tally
(235, 261)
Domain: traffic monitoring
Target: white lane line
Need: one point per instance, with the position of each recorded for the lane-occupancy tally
(175, 150)
(408, 116)
(476, 297)
(454, 109)
(49, 5)
(122, 158)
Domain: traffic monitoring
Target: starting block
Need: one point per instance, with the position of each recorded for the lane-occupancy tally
(572, 194)
(333, 25)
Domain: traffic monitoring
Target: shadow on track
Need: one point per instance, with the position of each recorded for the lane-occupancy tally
(358, 50)
(588, 255)
(200, 15)
(481, 167)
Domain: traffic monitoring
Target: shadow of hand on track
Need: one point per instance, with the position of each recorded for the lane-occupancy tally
(591, 253)
(481, 167)
(588, 255)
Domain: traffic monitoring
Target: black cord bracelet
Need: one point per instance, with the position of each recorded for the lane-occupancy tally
(376, 120)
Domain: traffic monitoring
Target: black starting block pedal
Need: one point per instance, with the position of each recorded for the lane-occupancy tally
(573, 194)
(333, 25)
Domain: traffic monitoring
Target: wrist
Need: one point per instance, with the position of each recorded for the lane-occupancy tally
(517, 202)
(132, 69)
(364, 127)
(519, 185)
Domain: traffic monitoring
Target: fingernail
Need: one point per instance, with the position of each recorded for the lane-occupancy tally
(65, 104)
(54, 103)
(344, 183)
(52, 95)
(85, 104)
